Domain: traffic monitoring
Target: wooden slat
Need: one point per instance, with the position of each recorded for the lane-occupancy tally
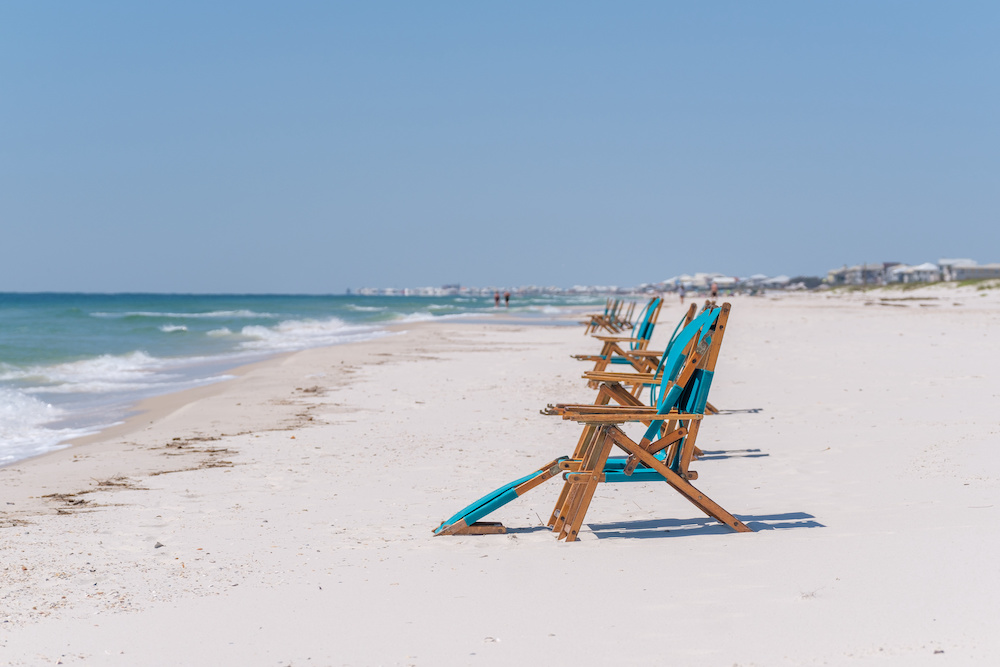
(483, 528)
(620, 417)
(627, 378)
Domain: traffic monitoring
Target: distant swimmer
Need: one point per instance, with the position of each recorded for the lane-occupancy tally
(506, 299)
(496, 299)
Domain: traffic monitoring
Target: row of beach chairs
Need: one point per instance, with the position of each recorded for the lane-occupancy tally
(678, 380)
(612, 320)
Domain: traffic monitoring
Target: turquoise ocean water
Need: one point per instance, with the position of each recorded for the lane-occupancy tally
(72, 364)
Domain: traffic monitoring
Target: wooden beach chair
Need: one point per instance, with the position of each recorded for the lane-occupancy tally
(663, 454)
(624, 321)
(609, 320)
(594, 320)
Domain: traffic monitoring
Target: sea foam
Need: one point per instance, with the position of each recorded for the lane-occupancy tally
(106, 373)
(301, 334)
(215, 314)
(22, 426)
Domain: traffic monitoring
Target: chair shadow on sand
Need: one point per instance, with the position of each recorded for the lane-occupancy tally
(719, 454)
(661, 528)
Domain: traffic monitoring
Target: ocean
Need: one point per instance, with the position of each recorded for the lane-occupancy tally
(74, 364)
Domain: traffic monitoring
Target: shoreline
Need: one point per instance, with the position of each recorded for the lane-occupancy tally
(286, 515)
(77, 364)
(134, 408)
(153, 409)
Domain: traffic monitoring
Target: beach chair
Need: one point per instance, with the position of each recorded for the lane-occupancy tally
(663, 454)
(610, 320)
(629, 349)
(624, 321)
(596, 320)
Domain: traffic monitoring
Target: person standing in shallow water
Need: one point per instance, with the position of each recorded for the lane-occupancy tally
(506, 299)
(496, 299)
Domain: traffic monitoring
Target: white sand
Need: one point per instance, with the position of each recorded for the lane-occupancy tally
(871, 473)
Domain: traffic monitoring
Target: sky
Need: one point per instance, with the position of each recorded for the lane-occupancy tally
(312, 147)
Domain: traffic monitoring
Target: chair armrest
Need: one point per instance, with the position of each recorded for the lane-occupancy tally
(625, 378)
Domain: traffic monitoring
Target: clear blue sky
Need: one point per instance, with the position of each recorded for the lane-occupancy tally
(311, 147)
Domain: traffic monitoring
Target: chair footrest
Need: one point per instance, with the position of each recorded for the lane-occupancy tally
(483, 528)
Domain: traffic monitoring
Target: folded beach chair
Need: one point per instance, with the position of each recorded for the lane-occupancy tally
(663, 454)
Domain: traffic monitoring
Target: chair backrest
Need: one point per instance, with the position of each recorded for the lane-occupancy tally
(693, 399)
(627, 317)
(670, 393)
(645, 323)
(687, 318)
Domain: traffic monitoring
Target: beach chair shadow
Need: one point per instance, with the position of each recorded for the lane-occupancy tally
(719, 454)
(668, 528)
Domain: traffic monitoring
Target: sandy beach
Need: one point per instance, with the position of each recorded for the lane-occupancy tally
(284, 517)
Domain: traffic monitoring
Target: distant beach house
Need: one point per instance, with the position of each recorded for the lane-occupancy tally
(861, 274)
(702, 281)
(894, 272)
(921, 273)
(967, 269)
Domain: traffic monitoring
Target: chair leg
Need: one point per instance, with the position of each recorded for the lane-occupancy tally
(688, 451)
(585, 483)
(568, 497)
(683, 486)
(558, 517)
(565, 511)
(586, 443)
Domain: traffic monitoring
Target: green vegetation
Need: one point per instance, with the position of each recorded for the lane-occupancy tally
(906, 287)
(980, 283)
(896, 287)
(851, 288)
